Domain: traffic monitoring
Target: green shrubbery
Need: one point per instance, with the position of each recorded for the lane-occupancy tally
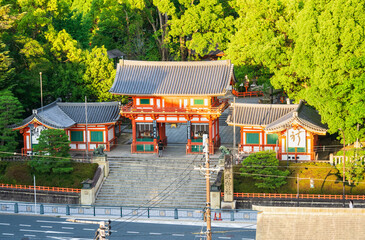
(324, 177)
(21, 173)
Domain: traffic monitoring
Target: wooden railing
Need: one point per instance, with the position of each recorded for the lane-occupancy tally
(130, 109)
(40, 188)
(300, 196)
(247, 94)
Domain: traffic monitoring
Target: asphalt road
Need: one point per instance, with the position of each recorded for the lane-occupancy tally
(27, 227)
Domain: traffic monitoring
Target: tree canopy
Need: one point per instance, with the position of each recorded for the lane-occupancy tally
(313, 50)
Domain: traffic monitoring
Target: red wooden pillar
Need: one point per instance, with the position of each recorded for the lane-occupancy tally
(134, 136)
(219, 137)
(107, 143)
(211, 146)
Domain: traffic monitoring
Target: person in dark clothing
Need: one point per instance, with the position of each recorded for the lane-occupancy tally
(160, 148)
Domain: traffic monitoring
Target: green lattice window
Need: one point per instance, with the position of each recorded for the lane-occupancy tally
(96, 136)
(299, 149)
(252, 138)
(198, 101)
(272, 138)
(77, 136)
(145, 101)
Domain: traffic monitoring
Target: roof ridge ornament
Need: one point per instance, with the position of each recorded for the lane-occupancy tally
(35, 112)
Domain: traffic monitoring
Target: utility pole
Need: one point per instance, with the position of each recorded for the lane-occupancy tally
(343, 168)
(207, 170)
(103, 230)
(40, 80)
(86, 133)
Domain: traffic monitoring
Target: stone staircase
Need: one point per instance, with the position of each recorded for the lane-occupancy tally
(155, 182)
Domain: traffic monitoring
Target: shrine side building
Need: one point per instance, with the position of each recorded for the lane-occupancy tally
(173, 92)
(291, 130)
(103, 123)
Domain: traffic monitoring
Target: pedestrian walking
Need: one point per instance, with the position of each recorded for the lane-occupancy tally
(160, 148)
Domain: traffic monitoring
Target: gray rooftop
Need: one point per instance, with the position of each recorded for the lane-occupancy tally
(63, 115)
(276, 117)
(141, 78)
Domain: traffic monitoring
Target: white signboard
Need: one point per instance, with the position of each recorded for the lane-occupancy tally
(36, 132)
(205, 143)
(296, 138)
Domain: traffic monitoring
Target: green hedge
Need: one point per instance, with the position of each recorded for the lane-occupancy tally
(21, 173)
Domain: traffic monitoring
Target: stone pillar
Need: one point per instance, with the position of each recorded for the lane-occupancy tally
(228, 202)
(102, 161)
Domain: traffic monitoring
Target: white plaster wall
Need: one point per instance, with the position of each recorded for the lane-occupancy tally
(206, 102)
(158, 102)
(151, 101)
(73, 146)
(82, 146)
(185, 102)
(92, 146)
(137, 101)
(111, 133)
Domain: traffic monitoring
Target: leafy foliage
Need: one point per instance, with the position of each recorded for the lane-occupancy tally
(10, 114)
(354, 171)
(264, 167)
(52, 152)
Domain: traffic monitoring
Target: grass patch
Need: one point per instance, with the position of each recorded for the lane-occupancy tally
(21, 173)
(325, 178)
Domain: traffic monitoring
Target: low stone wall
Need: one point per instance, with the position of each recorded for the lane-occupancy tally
(322, 203)
(285, 223)
(26, 195)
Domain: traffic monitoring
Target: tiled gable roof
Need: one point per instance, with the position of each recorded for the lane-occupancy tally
(141, 78)
(61, 115)
(276, 117)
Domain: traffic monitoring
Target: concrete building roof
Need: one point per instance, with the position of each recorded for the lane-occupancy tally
(143, 78)
(276, 117)
(62, 115)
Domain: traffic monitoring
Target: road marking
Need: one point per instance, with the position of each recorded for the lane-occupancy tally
(29, 230)
(88, 229)
(247, 239)
(67, 228)
(46, 226)
(152, 233)
(29, 235)
(8, 234)
(132, 232)
(44, 221)
(24, 225)
(5, 224)
(224, 237)
(67, 238)
(178, 235)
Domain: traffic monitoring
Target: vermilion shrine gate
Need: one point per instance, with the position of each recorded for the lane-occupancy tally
(173, 92)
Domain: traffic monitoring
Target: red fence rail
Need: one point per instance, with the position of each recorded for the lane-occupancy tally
(301, 196)
(41, 188)
(247, 94)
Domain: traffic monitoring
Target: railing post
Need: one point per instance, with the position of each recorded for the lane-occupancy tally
(176, 214)
(16, 209)
(121, 212)
(94, 210)
(41, 209)
(232, 215)
(148, 212)
(67, 210)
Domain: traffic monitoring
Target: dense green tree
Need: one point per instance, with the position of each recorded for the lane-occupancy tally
(264, 167)
(264, 36)
(327, 64)
(99, 74)
(52, 152)
(5, 67)
(201, 26)
(10, 114)
(354, 171)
